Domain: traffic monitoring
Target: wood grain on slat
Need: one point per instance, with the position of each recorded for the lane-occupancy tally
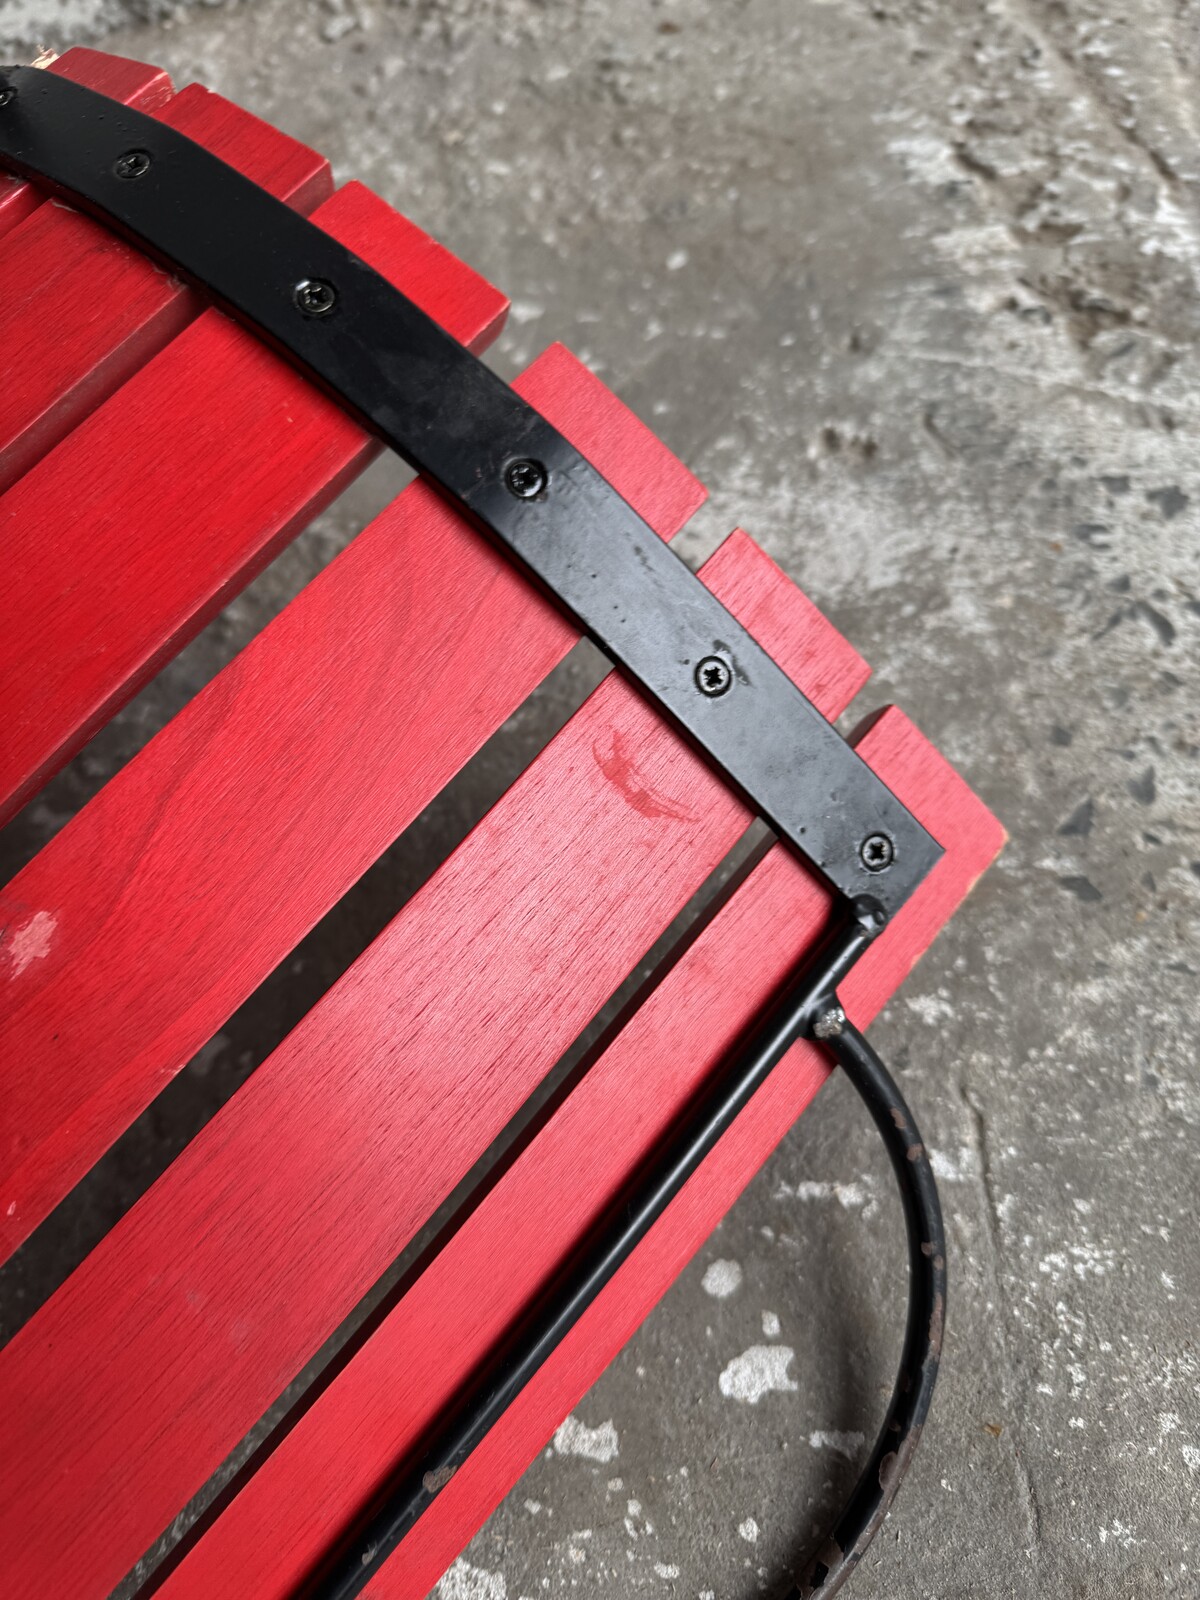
(144, 924)
(123, 541)
(81, 309)
(192, 1315)
(132, 82)
(338, 1454)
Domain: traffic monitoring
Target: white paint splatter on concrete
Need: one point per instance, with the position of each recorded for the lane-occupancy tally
(575, 1438)
(1121, 1533)
(1191, 1457)
(771, 1325)
(722, 1279)
(748, 1530)
(954, 1166)
(1082, 1260)
(576, 1554)
(666, 1570)
(927, 158)
(31, 941)
(464, 1582)
(758, 1371)
(846, 1444)
(931, 1008)
(633, 1516)
(849, 1195)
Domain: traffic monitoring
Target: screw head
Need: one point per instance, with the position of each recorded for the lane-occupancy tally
(314, 297)
(877, 852)
(133, 164)
(714, 676)
(7, 93)
(526, 479)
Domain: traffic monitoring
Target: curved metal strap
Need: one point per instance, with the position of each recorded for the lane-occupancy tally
(454, 420)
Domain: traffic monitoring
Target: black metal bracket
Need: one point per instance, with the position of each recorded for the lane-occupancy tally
(514, 474)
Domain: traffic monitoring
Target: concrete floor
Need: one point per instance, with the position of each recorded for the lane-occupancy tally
(913, 286)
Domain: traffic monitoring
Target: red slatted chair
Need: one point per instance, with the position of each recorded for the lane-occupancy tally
(154, 456)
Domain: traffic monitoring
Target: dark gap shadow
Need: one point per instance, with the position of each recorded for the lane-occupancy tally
(182, 678)
(332, 1358)
(218, 1070)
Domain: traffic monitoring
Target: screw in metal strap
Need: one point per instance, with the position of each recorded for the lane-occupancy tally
(133, 164)
(714, 676)
(877, 852)
(314, 297)
(526, 479)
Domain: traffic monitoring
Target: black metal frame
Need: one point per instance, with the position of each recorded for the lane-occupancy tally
(810, 992)
(524, 485)
(515, 475)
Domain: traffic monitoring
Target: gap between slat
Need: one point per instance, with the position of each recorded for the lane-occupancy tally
(363, 698)
(82, 310)
(616, 786)
(133, 83)
(236, 452)
(377, 1406)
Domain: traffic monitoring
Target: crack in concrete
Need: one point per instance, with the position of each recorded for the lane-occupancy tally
(994, 1226)
(1022, 17)
(1127, 402)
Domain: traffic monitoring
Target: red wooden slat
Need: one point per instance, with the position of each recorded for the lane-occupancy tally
(338, 1455)
(80, 309)
(192, 1315)
(126, 947)
(132, 82)
(123, 541)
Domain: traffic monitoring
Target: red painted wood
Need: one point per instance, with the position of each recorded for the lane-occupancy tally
(132, 82)
(295, 769)
(80, 309)
(336, 1458)
(109, 570)
(192, 1315)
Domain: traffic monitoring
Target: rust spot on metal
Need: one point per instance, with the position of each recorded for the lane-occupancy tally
(916, 1152)
(435, 1482)
(937, 1322)
(900, 1119)
(827, 1560)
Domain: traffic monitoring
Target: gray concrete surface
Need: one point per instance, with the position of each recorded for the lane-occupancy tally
(913, 285)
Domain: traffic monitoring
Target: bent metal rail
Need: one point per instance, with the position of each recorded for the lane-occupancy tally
(394, 355)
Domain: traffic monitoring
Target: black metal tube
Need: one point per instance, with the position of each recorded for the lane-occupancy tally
(868, 1505)
(503, 1377)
